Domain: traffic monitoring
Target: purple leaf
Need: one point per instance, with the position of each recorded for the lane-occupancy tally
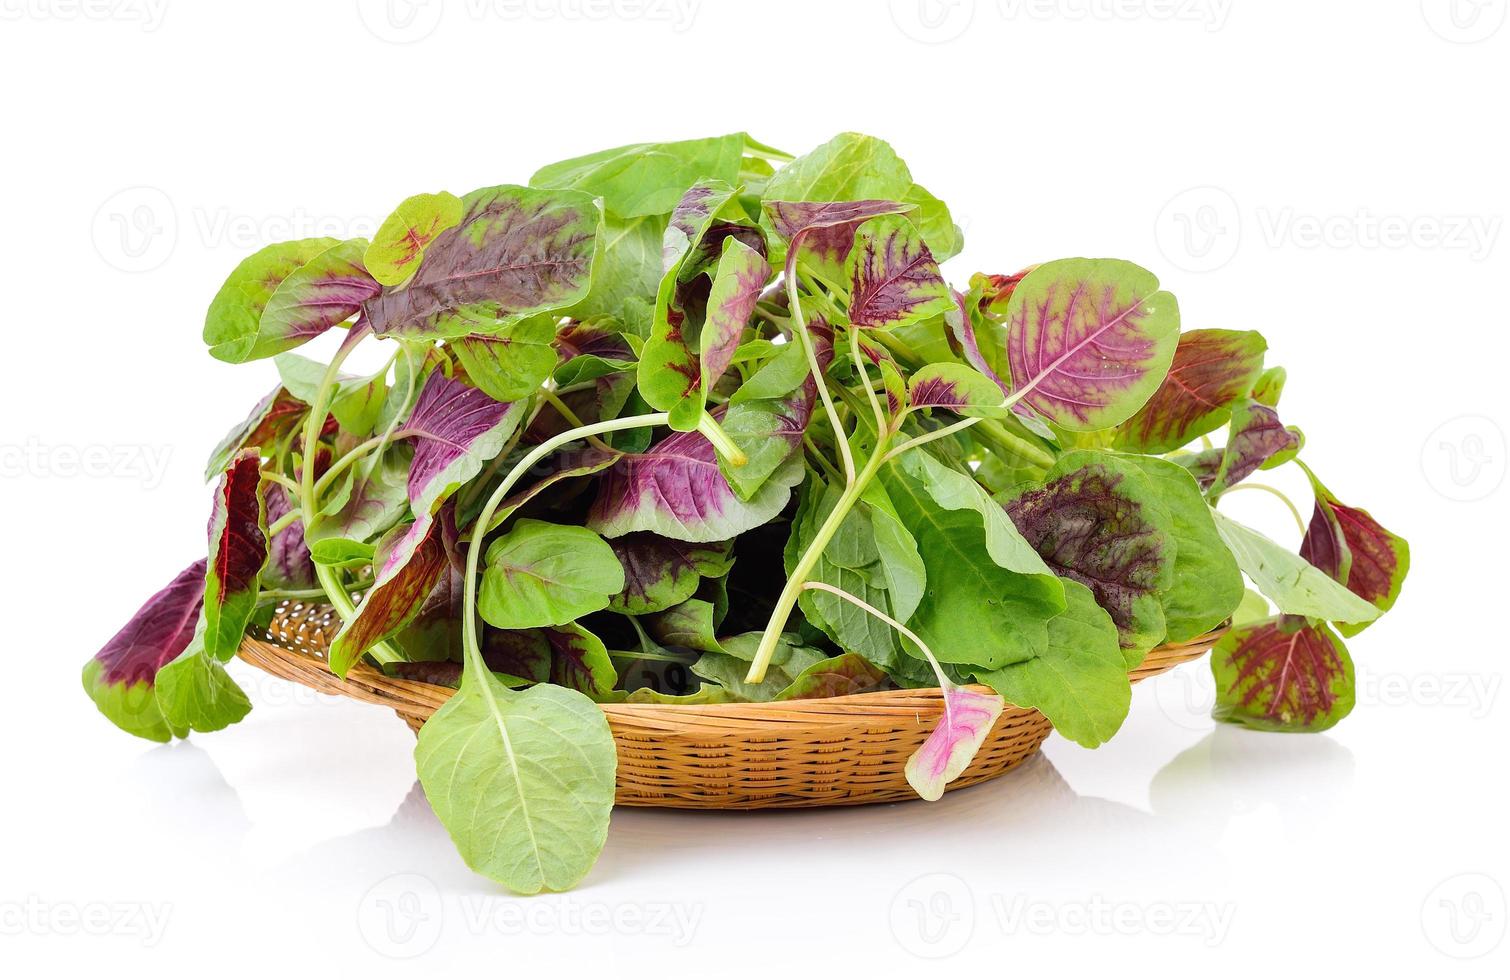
(238, 552)
(415, 564)
(893, 278)
(289, 565)
(580, 661)
(660, 572)
(676, 489)
(517, 252)
(955, 387)
(1356, 550)
(592, 340)
(966, 721)
(328, 289)
(1100, 522)
(270, 420)
(1283, 674)
(232, 323)
(1089, 340)
(823, 232)
(741, 275)
(1256, 439)
(456, 429)
(122, 676)
(1211, 370)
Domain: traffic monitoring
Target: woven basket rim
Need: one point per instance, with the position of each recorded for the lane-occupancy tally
(368, 684)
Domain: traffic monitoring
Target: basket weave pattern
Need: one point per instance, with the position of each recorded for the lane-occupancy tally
(822, 752)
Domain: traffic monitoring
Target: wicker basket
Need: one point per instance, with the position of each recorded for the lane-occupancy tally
(824, 752)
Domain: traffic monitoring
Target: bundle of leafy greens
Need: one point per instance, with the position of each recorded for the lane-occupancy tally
(700, 422)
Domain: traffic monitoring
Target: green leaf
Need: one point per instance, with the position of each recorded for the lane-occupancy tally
(357, 403)
(1293, 584)
(960, 389)
(646, 178)
(341, 552)
(1284, 674)
(660, 572)
(541, 574)
(1207, 585)
(522, 781)
(627, 271)
(230, 326)
(855, 167)
(988, 614)
(401, 240)
(512, 362)
(836, 677)
(728, 669)
(1080, 680)
(195, 692)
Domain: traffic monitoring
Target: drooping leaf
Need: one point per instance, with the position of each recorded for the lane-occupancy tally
(401, 240)
(966, 721)
(676, 489)
(567, 465)
(955, 387)
(456, 430)
(705, 694)
(1269, 386)
(230, 326)
(328, 289)
(1080, 680)
(1207, 585)
(196, 694)
(646, 178)
(836, 677)
(1285, 674)
(1089, 340)
(1211, 370)
(1293, 584)
(121, 678)
(272, 418)
(238, 553)
(1350, 546)
(1098, 521)
(522, 781)
(660, 572)
(516, 253)
(893, 278)
(541, 574)
(514, 361)
(414, 564)
(1256, 440)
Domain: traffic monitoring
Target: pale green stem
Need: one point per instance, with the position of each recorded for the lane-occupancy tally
(1273, 491)
(341, 465)
(805, 565)
(859, 359)
(938, 671)
(329, 580)
(473, 650)
(281, 480)
(800, 329)
(928, 437)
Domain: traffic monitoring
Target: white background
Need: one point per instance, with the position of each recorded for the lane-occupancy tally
(1331, 174)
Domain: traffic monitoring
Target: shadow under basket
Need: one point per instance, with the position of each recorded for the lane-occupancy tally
(822, 752)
